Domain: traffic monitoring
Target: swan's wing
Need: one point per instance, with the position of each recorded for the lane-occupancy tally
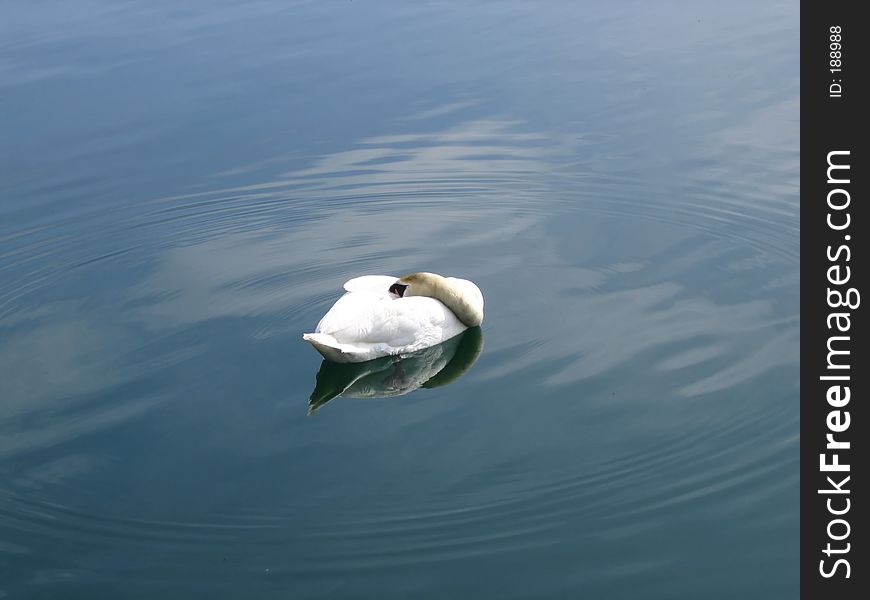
(370, 283)
(374, 318)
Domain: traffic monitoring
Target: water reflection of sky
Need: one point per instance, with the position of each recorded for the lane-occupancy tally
(184, 189)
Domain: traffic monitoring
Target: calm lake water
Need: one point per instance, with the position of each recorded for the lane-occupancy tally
(184, 188)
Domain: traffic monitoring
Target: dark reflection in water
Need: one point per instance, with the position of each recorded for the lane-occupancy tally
(391, 376)
(182, 188)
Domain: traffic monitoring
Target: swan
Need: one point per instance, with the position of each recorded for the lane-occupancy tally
(381, 315)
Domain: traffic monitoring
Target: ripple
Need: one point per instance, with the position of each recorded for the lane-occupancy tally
(638, 248)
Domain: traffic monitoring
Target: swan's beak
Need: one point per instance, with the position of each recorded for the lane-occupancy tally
(398, 289)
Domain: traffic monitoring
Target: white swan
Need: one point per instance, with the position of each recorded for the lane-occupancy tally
(381, 315)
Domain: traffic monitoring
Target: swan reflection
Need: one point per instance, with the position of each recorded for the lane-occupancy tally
(397, 375)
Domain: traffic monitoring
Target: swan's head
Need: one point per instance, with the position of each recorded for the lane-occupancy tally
(459, 295)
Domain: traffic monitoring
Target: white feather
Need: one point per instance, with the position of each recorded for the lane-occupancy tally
(368, 322)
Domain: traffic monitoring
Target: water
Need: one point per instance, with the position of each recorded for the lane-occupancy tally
(184, 187)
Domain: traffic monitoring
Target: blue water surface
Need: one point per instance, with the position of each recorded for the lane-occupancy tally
(185, 186)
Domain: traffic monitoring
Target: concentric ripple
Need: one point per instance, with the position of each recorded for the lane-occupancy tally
(186, 193)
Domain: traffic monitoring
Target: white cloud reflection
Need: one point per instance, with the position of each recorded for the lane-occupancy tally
(474, 200)
(377, 208)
